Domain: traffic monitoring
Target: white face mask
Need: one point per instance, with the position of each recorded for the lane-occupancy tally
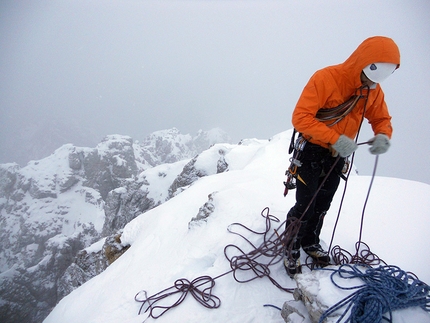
(378, 72)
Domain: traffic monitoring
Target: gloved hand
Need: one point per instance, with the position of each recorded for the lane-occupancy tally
(380, 144)
(344, 146)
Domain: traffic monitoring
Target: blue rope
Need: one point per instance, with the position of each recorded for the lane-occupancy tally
(384, 289)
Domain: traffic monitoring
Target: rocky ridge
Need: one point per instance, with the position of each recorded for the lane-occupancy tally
(61, 216)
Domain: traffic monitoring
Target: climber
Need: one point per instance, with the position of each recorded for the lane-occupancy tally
(330, 132)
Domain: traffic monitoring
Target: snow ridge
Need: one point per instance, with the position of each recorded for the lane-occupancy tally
(164, 246)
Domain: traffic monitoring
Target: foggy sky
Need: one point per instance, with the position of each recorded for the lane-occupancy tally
(134, 67)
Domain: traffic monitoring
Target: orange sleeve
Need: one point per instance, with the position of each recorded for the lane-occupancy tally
(378, 115)
(315, 96)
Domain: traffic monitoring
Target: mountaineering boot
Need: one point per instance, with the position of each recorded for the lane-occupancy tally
(318, 254)
(292, 263)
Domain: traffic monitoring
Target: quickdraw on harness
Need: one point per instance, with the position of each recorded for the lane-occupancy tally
(296, 147)
(335, 115)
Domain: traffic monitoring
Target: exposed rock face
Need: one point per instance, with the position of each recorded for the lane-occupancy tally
(29, 292)
(198, 167)
(189, 175)
(53, 209)
(108, 165)
(90, 262)
(204, 212)
(124, 204)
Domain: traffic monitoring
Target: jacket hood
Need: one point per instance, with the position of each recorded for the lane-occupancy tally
(377, 49)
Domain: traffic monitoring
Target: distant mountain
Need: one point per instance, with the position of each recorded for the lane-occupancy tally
(53, 209)
(169, 146)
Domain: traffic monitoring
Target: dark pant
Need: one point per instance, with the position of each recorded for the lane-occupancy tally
(316, 164)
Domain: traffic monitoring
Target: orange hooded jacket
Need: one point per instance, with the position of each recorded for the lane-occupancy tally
(333, 85)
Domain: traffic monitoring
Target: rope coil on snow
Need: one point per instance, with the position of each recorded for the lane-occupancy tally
(384, 289)
(362, 256)
(260, 258)
(257, 261)
(182, 287)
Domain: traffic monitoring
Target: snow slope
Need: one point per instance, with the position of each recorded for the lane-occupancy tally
(164, 247)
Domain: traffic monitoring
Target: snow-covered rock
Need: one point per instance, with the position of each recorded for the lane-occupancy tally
(209, 162)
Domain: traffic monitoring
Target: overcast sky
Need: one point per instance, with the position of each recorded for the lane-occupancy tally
(134, 67)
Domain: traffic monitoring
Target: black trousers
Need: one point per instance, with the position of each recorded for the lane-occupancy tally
(316, 164)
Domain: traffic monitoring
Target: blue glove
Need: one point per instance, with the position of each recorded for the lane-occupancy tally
(344, 146)
(380, 144)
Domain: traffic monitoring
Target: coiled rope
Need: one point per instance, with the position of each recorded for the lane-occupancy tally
(181, 287)
(384, 289)
(245, 266)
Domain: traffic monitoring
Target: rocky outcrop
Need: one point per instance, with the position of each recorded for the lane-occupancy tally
(314, 295)
(211, 161)
(124, 204)
(90, 262)
(189, 175)
(108, 165)
(204, 212)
